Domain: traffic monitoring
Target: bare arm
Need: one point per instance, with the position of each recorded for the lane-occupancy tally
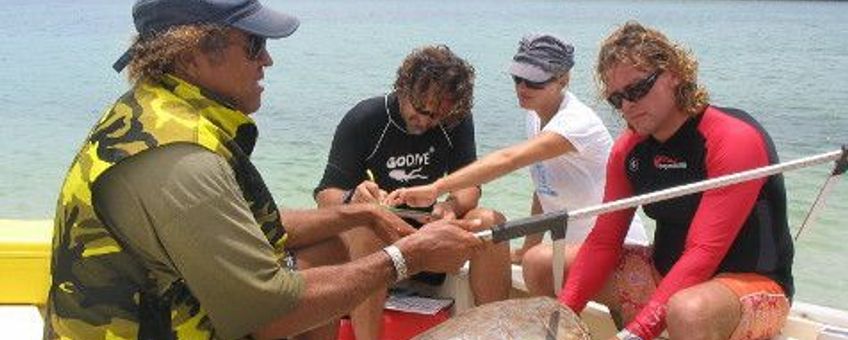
(532, 239)
(306, 227)
(461, 201)
(325, 297)
(334, 290)
(535, 209)
(544, 146)
(365, 192)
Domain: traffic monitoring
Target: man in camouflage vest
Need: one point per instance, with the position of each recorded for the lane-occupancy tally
(164, 228)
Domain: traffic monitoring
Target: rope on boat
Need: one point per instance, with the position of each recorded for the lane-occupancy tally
(556, 221)
(818, 204)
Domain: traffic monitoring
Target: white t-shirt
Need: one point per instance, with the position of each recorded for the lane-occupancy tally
(576, 180)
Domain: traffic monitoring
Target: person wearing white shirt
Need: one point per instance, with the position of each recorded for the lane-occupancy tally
(567, 149)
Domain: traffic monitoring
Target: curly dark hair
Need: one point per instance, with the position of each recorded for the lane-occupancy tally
(648, 49)
(437, 72)
(156, 55)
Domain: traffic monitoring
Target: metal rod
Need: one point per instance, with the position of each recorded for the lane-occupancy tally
(682, 190)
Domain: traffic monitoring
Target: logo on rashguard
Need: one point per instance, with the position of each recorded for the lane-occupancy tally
(401, 175)
(405, 168)
(633, 164)
(667, 162)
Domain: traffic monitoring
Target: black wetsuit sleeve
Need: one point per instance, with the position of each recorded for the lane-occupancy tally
(464, 146)
(346, 161)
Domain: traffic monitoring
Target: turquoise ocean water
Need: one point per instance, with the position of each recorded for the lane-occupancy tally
(784, 62)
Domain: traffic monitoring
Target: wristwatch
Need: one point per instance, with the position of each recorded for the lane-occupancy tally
(398, 262)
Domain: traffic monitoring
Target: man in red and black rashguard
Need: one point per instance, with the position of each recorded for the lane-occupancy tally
(720, 264)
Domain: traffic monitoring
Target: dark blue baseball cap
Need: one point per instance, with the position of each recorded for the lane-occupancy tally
(152, 16)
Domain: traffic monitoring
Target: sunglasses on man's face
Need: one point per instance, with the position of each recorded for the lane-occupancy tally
(536, 85)
(418, 106)
(635, 91)
(423, 111)
(255, 46)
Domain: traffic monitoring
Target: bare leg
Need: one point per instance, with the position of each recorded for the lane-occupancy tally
(530, 241)
(539, 279)
(610, 296)
(490, 274)
(367, 317)
(329, 252)
(538, 268)
(706, 311)
(630, 286)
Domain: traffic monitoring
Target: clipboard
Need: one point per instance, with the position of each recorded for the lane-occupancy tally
(409, 213)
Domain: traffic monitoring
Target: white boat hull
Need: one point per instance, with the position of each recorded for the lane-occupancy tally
(806, 321)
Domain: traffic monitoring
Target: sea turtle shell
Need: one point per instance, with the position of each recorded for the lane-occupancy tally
(531, 318)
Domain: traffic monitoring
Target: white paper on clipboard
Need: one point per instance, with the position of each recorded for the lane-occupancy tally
(417, 304)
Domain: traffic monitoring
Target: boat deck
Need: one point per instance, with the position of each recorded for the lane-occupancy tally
(22, 319)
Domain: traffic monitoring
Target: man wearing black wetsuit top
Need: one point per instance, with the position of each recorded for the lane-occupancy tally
(372, 140)
(413, 136)
(720, 266)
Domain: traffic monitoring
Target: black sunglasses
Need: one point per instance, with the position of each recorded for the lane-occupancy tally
(255, 46)
(635, 91)
(536, 85)
(419, 107)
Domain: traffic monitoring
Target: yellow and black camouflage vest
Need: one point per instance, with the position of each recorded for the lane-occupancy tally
(99, 291)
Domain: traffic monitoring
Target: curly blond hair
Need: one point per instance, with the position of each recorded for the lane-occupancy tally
(438, 72)
(648, 49)
(156, 55)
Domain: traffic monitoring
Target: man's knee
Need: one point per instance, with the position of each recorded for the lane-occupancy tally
(710, 308)
(688, 309)
(538, 257)
(537, 270)
(489, 218)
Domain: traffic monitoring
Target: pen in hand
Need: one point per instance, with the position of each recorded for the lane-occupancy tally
(374, 189)
(421, 216)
